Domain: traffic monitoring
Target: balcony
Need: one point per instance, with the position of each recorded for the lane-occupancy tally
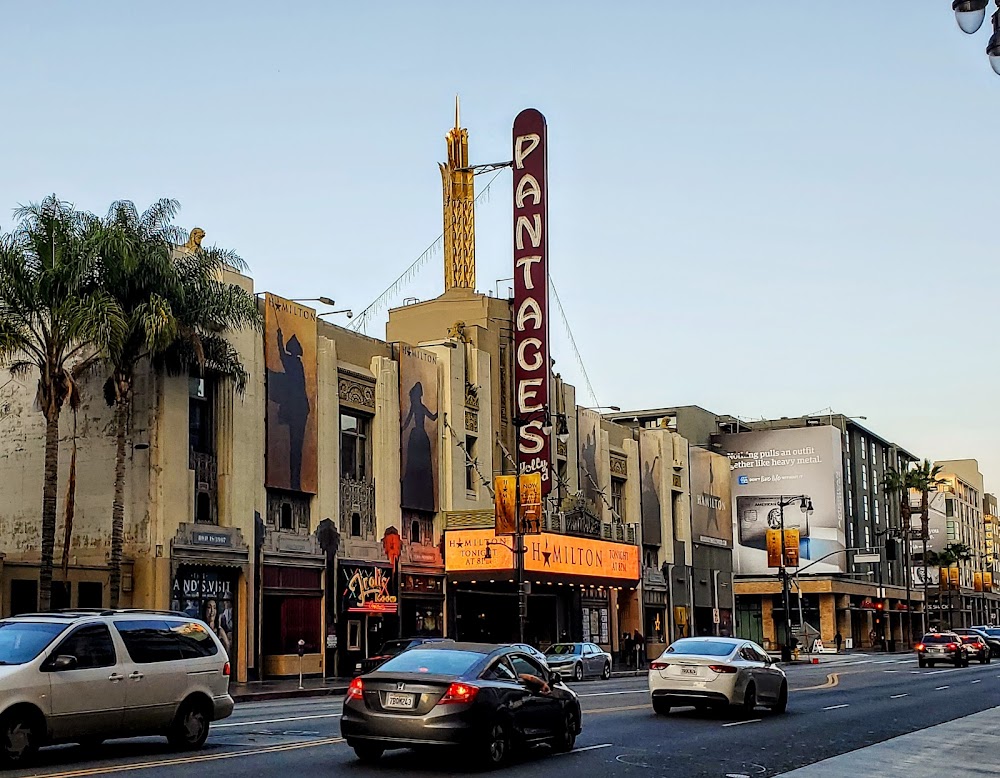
(357, 509)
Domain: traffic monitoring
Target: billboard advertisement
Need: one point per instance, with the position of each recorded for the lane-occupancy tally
(769, 467)
(290, 358)
(531, 295)
(418, 428)
(505, 495)
(711, 499)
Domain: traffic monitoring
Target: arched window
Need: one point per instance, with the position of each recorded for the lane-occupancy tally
(286, 516)
(415, 531)
(355, 525)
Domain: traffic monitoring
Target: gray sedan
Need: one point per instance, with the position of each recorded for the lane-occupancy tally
(579, 660)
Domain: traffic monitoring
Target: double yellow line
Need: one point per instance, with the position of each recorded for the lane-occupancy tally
(187, 760)
(831, 680)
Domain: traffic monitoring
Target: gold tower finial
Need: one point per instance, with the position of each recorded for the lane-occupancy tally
(459, 210)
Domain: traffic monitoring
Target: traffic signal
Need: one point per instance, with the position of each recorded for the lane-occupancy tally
(879, 606)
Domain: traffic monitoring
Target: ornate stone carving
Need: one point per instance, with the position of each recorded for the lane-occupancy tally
(472, 396)
(561, 448)
(357, 497)
(472, 421)
(619, 466)
(356, 390)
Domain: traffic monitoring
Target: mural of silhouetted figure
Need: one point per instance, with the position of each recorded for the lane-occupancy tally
(713, 511)
(590, 488)
(650, 496)
(418, 480)
(288, 390)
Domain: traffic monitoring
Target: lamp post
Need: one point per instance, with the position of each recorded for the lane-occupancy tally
(806, 506)
(970, 15)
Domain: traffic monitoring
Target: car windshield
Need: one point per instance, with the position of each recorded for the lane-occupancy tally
(426, 660)
(22, 641)
(563, 649)
(937, 638)
(394, 646)
(702, 647)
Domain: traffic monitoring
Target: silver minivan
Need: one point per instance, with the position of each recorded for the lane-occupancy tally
(88, 676)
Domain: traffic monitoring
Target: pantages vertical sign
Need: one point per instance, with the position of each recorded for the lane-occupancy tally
(531, 295)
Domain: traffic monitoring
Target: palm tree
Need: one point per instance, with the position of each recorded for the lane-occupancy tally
(172, 303)
(925, 480)
(55, 320)
(900, 483)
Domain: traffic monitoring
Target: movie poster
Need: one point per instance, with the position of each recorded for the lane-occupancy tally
(418, 428)
(290, 357)
(208, 595)
(711, 498)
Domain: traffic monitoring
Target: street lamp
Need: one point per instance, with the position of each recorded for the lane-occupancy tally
(348, 311)
(806, 506)
(970, 15)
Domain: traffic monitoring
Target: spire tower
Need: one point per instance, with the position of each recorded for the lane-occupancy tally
(459, 210)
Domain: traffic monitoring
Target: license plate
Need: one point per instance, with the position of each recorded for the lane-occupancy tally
(394, 700)
(689, 671)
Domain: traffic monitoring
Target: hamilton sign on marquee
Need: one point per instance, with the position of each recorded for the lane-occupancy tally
(531, 295)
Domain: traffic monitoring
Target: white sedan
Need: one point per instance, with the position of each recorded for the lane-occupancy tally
(713, 672)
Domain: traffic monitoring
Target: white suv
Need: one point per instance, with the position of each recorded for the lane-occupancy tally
(86, 676)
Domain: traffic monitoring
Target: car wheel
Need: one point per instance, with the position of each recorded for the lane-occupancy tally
(578, 672)
(566, 737)
(496, 747)
(660, 706)
(921, 663)
(20, 733)
(368, 753)
(749, 701)
(607, 671)
(190, 729)
(782, 703)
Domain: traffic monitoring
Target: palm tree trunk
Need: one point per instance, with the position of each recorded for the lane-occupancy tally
(118, 507)
(924, 560)
(49, 487)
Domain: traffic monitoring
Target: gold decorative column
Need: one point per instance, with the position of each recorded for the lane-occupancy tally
(459, 211)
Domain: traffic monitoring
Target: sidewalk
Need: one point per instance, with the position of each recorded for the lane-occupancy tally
(967, 746)
(287, 688)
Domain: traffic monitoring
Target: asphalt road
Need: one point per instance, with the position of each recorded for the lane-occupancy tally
(833, 708)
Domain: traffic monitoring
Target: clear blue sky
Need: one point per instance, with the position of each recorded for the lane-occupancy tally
(764, 208)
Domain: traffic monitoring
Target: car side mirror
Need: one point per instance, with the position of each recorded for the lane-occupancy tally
(61, 663)
(555, 677)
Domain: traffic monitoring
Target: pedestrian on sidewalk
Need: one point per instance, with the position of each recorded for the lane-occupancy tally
(628, 645)
(838, 639)
(640, 649)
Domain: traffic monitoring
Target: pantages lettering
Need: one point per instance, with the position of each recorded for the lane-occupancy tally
(368, 587)
(531, 294)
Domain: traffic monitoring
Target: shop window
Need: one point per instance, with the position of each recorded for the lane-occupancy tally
(23, 596)
(414, 531)
(90, 594)
(62, 595)
(471, 477)
(288, 620)
(618, 498)
(354, 445)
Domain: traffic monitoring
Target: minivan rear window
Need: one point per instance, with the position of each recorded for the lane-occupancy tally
(165, 640)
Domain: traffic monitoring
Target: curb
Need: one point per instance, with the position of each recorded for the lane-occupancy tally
(287, 694)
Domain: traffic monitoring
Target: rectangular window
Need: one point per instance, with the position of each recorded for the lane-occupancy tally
(471, 476)
(864, 477)
(864, 449)
(874, 453)
(23, 596)
(949, 507)
(200, 416)
(90, 594)
(618, 498)
(354, 446)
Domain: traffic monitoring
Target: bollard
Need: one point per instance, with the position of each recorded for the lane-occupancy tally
(302, 653)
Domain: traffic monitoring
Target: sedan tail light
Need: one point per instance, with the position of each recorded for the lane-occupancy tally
(952, 646)
(459, 693)
(659, 665)
(919, 647)
(722, 669)
(356, 690)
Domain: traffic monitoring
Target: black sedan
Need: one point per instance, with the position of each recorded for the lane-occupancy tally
(488, 699)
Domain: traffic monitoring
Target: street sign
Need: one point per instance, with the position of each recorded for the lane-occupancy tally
(715, 616)
(862, 559)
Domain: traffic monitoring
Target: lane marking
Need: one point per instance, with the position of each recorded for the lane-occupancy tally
(833, 679)
(897, 696)
(610, 694)
(585, 748)
(741, 723)
(620, 708)
(125, 768)
(979, 680)
(277, 721)
(837, 707)
(941, 687)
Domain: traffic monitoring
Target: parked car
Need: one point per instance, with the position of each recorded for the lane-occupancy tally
(716, 672)
(989, 634)
(390, 649)
(490, 699)
(942, 647)
(579, 660)
(977, 648)
(531, 651)
(85, 676)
